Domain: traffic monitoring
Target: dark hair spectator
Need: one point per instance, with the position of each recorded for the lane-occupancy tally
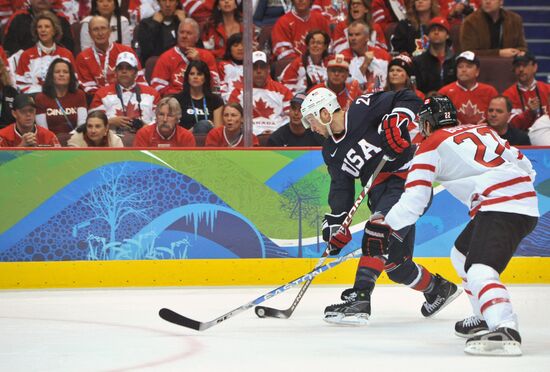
(499, 113)
(411, 34)
(95, 133)
(200, 107)
(231, 66)
(60, 107)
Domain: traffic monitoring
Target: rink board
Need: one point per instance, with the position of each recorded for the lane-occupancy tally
(127, 217)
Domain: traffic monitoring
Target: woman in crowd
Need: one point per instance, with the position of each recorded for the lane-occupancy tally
(34, 62)
(358, 10)
(201, 109)
(61, 106)
(410, 35)
(95, 133)
(226, 20)
(120, 26)
(230, 67)
(310, 69)
(7, 95)
(230, 134)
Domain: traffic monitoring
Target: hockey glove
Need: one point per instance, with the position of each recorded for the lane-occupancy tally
(393, 142)
(336, 236)
(376, 237)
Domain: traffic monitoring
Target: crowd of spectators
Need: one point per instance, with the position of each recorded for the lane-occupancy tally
(158, 73)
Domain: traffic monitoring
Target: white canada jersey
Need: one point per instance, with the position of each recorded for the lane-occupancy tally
(476, 166)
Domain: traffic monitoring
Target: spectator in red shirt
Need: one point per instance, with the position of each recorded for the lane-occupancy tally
(470, 97)
(226, 20)
(529, 96)
(61, 106)
(230, 134)
(165, 132)
(24, 132)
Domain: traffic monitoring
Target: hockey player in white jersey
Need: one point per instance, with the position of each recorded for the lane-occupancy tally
(495, 181)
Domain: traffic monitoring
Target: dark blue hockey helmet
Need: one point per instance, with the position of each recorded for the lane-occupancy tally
(437, 112)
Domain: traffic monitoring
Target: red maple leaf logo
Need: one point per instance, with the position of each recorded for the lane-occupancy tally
(178, 78)
(468, 113)
(262, 109)
(132, 111)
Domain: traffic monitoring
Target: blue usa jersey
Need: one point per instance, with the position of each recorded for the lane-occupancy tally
(357, 153)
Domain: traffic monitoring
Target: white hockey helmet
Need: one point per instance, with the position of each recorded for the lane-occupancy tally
(315, 101)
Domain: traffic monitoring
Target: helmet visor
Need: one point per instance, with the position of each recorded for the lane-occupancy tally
(310, 120)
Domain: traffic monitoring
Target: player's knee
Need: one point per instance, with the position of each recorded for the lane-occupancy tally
(458, 260)
(403, 273)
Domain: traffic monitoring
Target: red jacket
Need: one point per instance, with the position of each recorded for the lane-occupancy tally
(148, 136)
(522, 116)
(10, 137)
(216, 138)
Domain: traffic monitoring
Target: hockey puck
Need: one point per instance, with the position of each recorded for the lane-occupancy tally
(260, 312)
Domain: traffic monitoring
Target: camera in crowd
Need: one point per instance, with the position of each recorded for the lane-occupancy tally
(136, 124)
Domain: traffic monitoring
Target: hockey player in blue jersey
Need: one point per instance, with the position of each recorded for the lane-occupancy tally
(374, 126)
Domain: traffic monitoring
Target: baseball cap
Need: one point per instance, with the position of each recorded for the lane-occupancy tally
(403, 61)
(259, 56)
(127, 57)
(23, 100)
(338, 60)
(527, 57)
(468, 56)
(441, 22)
(298, 98)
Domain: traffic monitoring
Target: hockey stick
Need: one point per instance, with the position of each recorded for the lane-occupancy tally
(269, 312)
(176, 318)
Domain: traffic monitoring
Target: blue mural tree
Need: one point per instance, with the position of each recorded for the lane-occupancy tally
(301, 201)
(117, 199)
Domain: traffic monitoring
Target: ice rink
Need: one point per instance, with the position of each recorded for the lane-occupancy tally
(119, 330)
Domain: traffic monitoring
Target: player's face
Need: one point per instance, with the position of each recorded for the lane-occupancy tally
(24, 117)
(166, 121)
(525, 72)
(357, 37)
(125, 74)
(422, 5)
(232, 119)
(96, 130)
(45, 31)
(100, 32)
(61, 74)
(491, 6)
(259, 75)
(466, 72)
(319, 125)
(397, 77)
(196, 78)
(106, 8)
(358, 9)
(237, 51)
(187, 36)
(168, 7)
(317, 45)
(227, 6)
(497, 113)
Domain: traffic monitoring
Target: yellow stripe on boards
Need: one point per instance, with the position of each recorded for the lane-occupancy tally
(220, 272)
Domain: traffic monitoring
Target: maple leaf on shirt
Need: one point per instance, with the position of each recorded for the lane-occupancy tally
(468, 113)
(132, 111)
(262, 109)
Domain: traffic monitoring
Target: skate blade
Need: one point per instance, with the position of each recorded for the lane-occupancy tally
(478, 333)
(493, 348)
(341, 319)
(449, 300)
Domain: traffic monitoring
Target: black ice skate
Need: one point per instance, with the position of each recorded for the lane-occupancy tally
(444, 293)
(471, 326)
(355, 310)
(502, 342)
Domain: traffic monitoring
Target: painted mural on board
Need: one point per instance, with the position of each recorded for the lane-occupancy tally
(135, 205)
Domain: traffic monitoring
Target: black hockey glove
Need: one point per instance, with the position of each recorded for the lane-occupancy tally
(376, 237)
(393, 143)
(336, 236)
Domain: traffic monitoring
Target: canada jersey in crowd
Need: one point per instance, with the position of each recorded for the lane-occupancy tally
(359, 150)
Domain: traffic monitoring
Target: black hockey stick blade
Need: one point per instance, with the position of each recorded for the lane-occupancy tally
(269, 312)
(173, 317)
